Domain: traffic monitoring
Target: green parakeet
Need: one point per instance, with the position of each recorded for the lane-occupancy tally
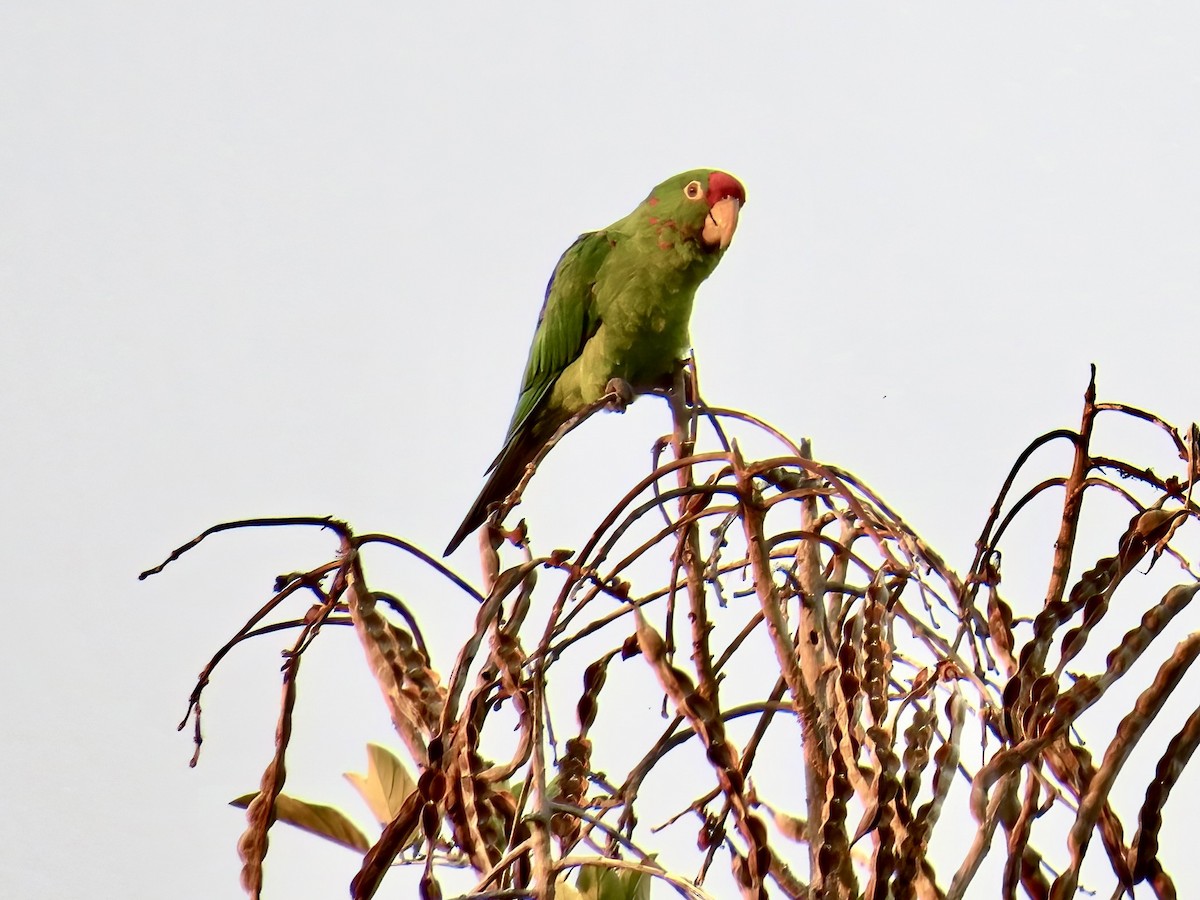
(616, 307)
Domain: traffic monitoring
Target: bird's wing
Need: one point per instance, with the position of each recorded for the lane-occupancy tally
(567, 320)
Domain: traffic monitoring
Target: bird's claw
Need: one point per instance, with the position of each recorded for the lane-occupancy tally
(621, 392)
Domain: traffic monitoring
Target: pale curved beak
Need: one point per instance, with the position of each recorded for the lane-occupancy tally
(721, 223)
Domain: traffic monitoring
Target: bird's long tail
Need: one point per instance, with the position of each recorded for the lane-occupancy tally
(506, 473)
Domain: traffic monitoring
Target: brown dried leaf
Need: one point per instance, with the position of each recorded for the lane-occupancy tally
(1130, 730)
(917, 738)
(1144, 852)
(396, 836)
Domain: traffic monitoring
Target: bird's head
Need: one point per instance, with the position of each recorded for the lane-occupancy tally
(700, 205)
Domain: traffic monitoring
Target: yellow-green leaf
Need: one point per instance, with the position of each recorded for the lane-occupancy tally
(323, 821)
(386, 785)
(605, 883)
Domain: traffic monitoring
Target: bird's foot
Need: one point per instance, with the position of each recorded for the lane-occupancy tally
(621, 392)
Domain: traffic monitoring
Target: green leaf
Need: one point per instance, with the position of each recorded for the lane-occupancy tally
(604, 883)
(386, 785)
(323, 821)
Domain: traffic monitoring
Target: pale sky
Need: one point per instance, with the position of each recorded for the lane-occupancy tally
(285, 259)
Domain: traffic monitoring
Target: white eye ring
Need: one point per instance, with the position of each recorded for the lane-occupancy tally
(694, 191)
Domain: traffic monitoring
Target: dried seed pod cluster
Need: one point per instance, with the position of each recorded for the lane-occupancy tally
(811, 649)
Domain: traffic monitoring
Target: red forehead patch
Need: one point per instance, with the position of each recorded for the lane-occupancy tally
(722, 185)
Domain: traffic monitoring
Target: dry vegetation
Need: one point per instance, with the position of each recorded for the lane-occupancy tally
(771, 606)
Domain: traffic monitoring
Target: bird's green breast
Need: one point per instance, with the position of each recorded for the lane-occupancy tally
(643, 297)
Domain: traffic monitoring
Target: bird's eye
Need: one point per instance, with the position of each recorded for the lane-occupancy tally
(693, 191)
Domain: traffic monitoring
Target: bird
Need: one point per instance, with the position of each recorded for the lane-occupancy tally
(616, 313)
